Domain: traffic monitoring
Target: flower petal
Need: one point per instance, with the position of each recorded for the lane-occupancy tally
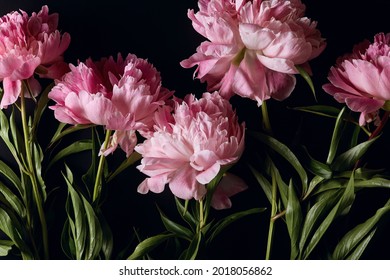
(228, 186)
(184, 185)
(12, 90)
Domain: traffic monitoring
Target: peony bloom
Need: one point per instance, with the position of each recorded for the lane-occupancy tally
(121, 95)
(254, 46)
(362, 79)
(189, 148)
(29, 45)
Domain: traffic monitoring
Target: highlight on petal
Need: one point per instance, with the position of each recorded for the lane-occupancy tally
(184, 185)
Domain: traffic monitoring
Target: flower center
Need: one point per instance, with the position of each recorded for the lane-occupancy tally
(239, 57)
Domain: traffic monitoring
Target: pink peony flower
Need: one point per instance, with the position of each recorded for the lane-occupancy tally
(121, 95)
(362, 79)
(29, 45)
(254, 46)
(189, 148)
(229, 186)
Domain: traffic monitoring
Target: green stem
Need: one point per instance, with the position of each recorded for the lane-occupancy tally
(273, 214)
(266, 122)
(99, 175)
(31, 170)
(267, 127)
(201, 215)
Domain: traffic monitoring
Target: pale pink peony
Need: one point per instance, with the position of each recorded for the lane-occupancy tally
(189, 148)
(121, 95)
(254, 46)
(362, 79)
(229, 186)
(30, 45)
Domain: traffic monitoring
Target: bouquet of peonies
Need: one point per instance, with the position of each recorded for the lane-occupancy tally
(54, 183)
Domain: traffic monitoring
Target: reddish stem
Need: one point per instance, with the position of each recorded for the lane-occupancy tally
(376, 132)
(380, 126)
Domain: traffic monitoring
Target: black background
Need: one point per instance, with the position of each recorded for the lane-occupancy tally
(161, 32)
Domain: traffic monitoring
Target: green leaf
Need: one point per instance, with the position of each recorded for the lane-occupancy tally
(282, 186)
(193, 249)
(75, 147)
(85, 230)
(355, 136)
(321, 110)
(313, 184)
(56, 137)
(185, 214)
(376, 182)
(356, 240)
(11, 176)
(11, 227)
(222, 224)
(360, 173)
(38, 158)
(316, 213)
(133, 158)
(359, 250)
(286, 153)
(108, 240)
(332, 184)
(13, 201)
(61, 132)
(95, 234)
(359, 184)
(89, 177)
(67, 243)
(348, 159)
(316, 167)
(5, 247)
(293, 220)
(148, 245)
(211, 187)
(344, 203)
(264, 183)
(175, 228)
(4, 134)
(4, 125)
(40, 107)
(15, 134)
(307, 78)
(336, 136)
(76, 217)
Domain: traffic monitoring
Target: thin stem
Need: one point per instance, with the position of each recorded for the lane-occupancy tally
(266, 122)
(273, 213)
(267, 127)
(375, 133)
(201, 215)
(279, 215)
(380, 126)
(99, 175)
(33, 176)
